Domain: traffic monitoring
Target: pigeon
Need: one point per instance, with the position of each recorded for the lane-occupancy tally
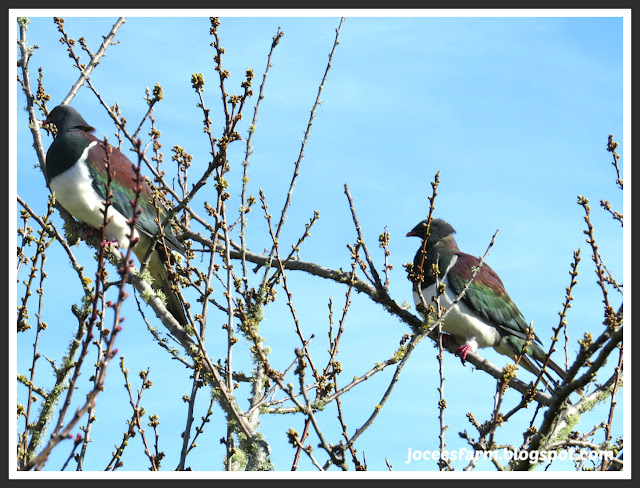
(76, 171)
(486, 316)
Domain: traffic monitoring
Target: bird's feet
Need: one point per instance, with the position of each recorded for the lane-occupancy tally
(92, 232)
(463, 351)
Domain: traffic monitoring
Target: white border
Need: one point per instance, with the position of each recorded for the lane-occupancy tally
(625, 14)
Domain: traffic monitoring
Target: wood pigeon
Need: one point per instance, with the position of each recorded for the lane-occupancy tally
(76, 171)
(486, 316)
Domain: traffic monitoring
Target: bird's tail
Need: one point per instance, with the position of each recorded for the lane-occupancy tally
(161, 281)
(175, 306)
(546, 377)
(533, 361)
(558, 369)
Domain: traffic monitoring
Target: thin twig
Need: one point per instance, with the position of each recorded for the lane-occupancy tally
(93, 62)
(312, 115)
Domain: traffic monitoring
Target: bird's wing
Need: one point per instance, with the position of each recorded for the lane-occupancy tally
(486, 296)
(122, 189)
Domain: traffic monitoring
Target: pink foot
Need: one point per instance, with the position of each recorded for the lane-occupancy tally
(93, 232)
(110, 243)
(463, 351)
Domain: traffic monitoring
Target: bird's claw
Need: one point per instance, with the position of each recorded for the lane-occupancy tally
(463, 351)
(92, 232)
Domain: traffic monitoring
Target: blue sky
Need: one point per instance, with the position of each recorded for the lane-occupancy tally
(513, 111)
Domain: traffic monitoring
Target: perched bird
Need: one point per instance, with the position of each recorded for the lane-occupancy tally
(486, 316)
(76, 170)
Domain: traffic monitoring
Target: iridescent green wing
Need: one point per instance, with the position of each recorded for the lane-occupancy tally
(123, 192)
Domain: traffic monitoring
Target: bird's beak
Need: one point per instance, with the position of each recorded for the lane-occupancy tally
(410, 234)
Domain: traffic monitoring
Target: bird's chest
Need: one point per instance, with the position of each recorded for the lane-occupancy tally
(74, 191)
(461, 321)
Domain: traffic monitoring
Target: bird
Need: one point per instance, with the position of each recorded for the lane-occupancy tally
(76, 171)
(486, 316)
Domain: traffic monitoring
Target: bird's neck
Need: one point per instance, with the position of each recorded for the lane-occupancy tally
(440, 254)
(65, 151)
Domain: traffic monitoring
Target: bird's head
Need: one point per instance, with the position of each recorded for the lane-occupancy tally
(438, 230)
(65, 117)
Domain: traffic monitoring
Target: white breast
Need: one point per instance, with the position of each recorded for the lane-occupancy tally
(461, 322)
(75, 193)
